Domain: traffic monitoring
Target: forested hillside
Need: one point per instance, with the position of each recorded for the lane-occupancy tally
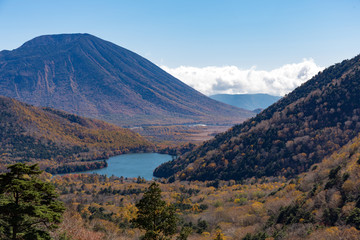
(59, 141)
(302, 128)
(323, 202)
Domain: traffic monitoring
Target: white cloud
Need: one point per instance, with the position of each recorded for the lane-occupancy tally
(232, 80)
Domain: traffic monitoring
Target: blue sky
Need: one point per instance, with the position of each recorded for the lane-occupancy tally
(198, 33)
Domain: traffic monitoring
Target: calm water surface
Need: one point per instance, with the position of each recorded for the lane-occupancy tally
(133, 165)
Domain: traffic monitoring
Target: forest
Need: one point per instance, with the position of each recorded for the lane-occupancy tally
(285, 139)
(321, 202)
(58, 141)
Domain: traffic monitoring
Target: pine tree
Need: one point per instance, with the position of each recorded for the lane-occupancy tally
(155, 216)
(29, 208)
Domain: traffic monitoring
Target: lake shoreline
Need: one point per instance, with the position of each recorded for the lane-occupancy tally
(129, 165)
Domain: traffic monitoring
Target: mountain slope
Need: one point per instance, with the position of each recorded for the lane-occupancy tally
(88, 76)
(311, 122)
(247, 101)
(323, 202)
(54, 138)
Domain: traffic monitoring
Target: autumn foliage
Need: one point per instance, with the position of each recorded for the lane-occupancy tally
(58, 141)
(299, 130)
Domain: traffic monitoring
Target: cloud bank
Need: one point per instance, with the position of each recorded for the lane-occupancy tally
(232, 80)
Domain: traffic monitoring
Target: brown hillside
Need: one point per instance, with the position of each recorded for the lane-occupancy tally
(299, 130)
(54, 138)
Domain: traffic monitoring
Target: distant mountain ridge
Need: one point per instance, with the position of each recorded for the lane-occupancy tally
(250, 102)
(88, 76)
(59, 140)
(299, 130)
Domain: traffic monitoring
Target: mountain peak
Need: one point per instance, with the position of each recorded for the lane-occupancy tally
(57, 38)
(88, 76)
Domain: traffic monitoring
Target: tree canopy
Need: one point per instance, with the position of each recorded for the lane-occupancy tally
(154, 216)
(29, 208)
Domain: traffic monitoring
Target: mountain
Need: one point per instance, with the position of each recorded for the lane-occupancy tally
(57, 140)
(252, 102)
(327, 195)
(85, 75)
(299, 130)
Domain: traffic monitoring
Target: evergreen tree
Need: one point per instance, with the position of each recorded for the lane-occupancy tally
(155, 216)
(29, 208)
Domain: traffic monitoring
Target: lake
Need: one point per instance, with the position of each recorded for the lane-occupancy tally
(133, 165)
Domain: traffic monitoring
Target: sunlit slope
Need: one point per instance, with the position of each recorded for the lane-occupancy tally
(300, 129)
(85, 75)
(33, 134)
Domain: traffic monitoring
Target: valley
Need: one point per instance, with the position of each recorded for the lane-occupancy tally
(251, 102)
(320, 202)
(174, 135)
(289, 172)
